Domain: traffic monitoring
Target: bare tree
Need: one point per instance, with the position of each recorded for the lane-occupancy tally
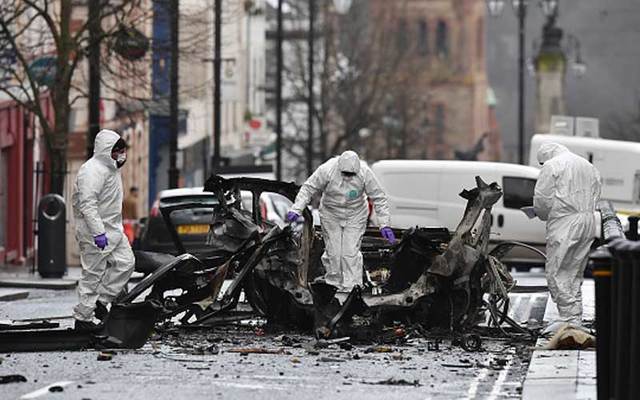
(367, 70)
(33, 29)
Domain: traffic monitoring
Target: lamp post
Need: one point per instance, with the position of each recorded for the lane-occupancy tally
(94, 75)
(174, 172)
(217, 88)
(310, 105)
(495, 8)
(279, 65)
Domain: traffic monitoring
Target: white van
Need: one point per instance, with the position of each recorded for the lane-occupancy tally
(426, 193)
(618, 162)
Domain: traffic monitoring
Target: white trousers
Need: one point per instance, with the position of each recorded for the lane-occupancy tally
(342, 258)
(567, 256)
(104, 275)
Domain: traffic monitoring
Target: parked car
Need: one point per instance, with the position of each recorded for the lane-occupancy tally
(192, 224)
(425, 193)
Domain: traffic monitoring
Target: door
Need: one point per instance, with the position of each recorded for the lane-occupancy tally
(3, 200)
(509, 222)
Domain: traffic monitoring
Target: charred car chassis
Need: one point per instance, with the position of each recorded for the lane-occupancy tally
(432, 277)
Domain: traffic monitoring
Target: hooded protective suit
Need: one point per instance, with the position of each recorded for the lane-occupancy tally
(343, 214)
(97, 208)
(566, 194)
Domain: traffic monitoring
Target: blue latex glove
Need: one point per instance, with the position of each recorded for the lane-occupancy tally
(292, 216)
(387, 233)
(101, 241)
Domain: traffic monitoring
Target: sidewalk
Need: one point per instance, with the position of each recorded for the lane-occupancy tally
(21, 277)
(563, 374)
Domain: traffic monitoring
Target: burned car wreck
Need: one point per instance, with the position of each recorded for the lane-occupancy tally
(432, 278)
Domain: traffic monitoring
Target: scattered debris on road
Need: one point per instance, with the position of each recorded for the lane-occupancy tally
(12, 379)
(571, 338)
(256, 350)
(395, 382)
(105, 356)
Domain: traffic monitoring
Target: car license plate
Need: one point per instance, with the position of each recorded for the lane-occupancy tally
(196, 229)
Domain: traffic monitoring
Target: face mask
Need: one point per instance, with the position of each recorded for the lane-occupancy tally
(122, 157)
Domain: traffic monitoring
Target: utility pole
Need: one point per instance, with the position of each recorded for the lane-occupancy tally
(310, 104)
(174, 173)
(522, 13)
(217, 78)
(94, 75)
(279, 65)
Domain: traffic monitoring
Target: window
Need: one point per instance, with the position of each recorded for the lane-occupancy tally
(518, 192)
(480, 40)
(442, 39)
(401, 35)
(423, 38)
(439, 123)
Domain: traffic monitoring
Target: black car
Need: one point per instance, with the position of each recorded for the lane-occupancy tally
(191, 224)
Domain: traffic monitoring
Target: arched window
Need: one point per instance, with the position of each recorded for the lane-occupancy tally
(423, 38)
(442, 39)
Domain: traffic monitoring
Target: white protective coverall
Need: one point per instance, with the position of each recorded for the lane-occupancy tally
(97, 208)
(343, 214)
(566, 194)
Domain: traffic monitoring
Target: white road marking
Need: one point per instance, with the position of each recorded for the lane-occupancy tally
(44, 390)
(499, 383)
(473, 388)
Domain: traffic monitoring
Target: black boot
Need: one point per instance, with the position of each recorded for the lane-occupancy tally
(101, 311)
(85, 326)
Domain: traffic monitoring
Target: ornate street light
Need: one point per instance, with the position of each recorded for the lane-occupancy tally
(579, 66)
(342, 6)
(517, 4)
(549, 7)
(495, 7)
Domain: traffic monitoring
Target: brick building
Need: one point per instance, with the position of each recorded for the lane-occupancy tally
(442, 45)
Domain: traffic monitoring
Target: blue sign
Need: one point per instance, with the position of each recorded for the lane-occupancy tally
(43, 70)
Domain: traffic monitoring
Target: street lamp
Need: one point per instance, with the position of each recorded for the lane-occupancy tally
(578, 65)
(549, 7)
(495, 8)
(342, 6)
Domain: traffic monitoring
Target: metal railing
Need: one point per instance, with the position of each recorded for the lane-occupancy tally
(616, 271)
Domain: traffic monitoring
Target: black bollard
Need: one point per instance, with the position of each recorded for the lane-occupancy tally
(622, 275)
(633, 228)
(634, 348)
(601, 261)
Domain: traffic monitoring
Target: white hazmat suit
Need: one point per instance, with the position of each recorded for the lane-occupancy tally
(97, 208)
(566, 194)
(343, 214)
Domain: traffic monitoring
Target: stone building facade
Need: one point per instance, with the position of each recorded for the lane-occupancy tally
(445, 52)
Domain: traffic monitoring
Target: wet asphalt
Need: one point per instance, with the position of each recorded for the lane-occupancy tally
(220, 364)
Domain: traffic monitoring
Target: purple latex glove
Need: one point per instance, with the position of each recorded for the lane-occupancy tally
(101, 241)
(292, 216)
(387, 233)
